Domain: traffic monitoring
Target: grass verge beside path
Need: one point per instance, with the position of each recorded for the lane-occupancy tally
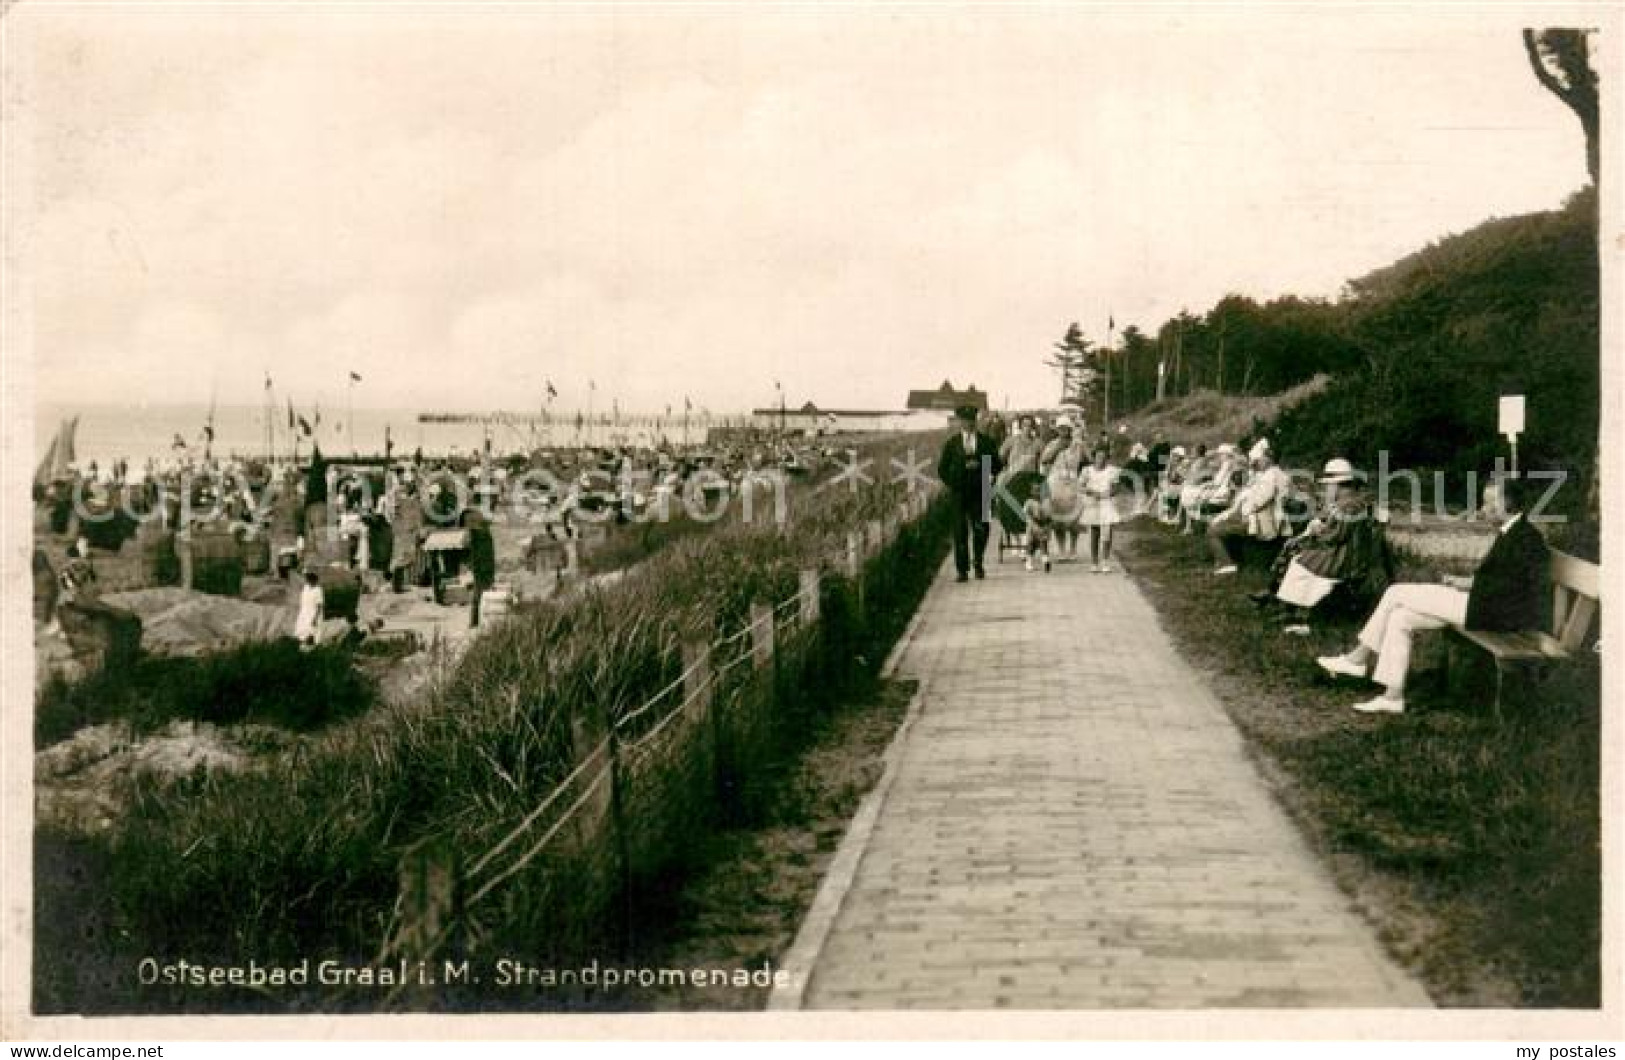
(1471, 843)
(743, 908)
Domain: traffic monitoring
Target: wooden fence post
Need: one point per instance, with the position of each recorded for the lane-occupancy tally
(430, 901)
(617, 825)
(761, 634)
(697, 687)
(809, 598)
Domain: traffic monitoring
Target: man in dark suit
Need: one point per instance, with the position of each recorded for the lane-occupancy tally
(1508, 592)
(970, 462)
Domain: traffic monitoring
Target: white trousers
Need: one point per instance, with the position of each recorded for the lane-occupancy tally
(1404, 609)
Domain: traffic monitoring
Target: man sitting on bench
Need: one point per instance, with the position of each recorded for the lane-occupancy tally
(1508, 592)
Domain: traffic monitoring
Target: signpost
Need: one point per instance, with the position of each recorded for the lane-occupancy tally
(1512, 408)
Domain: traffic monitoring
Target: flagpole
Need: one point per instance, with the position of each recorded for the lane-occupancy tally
(1106, 396)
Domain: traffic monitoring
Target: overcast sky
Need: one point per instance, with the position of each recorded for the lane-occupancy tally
(461, 206)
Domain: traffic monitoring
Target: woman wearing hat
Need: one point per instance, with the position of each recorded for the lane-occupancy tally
(1066, 458)
(1343, 545)
(1173, 479)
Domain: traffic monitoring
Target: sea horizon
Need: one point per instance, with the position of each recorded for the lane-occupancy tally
(139, 431)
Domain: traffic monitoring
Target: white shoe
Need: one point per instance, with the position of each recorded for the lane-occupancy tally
(1381, 705)
(1029, 564)
(1341, 666)
(1227, 569)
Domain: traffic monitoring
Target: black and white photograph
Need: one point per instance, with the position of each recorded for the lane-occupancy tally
(857, 519)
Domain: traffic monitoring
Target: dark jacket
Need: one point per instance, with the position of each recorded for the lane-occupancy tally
(1511, 587)
(963, 474)
(482, 554)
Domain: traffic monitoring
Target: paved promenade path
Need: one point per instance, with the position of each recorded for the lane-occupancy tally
(1073, 822)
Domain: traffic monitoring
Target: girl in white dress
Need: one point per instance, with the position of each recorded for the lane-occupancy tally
(307, 625)
(1097, 483)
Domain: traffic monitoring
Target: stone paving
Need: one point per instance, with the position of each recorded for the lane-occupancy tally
(1075, 823)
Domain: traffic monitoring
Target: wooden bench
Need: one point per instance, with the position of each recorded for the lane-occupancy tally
(1576, 595)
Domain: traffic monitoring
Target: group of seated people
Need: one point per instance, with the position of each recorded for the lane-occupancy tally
(1321, 555)
(1341, 553)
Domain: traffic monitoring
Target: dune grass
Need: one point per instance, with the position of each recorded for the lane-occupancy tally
(1471, 841)
(1207, 417)
(270, 682)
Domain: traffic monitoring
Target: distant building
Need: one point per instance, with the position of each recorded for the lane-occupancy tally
(810, 419)
(946, 399)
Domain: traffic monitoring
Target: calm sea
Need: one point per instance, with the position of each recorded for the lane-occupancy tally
(139, 432)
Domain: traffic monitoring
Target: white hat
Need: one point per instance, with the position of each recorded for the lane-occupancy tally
(1260, 448)
(1178, 450)
(1338, 470)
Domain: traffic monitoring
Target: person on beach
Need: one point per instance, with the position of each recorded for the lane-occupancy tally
(1508, 592)
(315, 514)
(482, 559)
(1097, 483)
(968, 467)
(407, 528)
(307, 624)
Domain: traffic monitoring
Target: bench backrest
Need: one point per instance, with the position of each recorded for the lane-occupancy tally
(1576, 593)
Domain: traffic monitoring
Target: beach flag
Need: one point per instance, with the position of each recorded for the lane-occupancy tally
(267, 380)
(304, 426)
(291, 418)
(355, 377)
(550, 391)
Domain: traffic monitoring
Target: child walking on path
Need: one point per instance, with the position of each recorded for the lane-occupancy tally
(1039, 515)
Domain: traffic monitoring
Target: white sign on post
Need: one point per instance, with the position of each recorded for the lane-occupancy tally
(1512, 415)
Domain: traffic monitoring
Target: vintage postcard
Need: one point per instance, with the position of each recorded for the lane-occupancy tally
(675, 520)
